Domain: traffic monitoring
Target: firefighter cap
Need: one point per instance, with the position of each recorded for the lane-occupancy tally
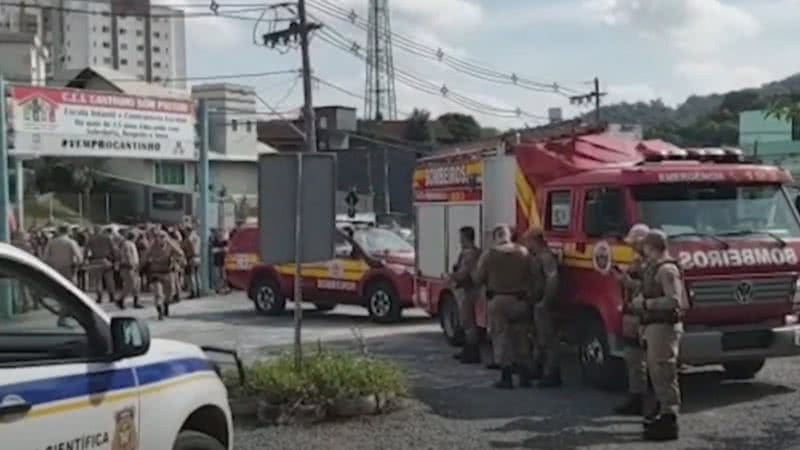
(501, 234)
(656, 239)
(637, 233)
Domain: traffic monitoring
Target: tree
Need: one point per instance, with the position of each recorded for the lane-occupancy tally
(463, 127)
(418, 127)
(489, 132)
(785, 108)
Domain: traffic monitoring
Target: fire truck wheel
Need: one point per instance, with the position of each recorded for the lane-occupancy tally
(448, 318)
(194, 440)
(742, 370)
(268, 298)
(598, 368)
(382, 302)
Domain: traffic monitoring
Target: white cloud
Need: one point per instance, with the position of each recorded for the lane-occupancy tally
(442, 15)
(697, 27)
(710, 77)
(212, 32)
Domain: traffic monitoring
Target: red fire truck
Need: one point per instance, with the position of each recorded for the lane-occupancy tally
(732, 226)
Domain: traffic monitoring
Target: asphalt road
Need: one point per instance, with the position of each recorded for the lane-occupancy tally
(457, 409)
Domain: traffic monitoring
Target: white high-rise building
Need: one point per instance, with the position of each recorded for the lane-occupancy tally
(131, 36)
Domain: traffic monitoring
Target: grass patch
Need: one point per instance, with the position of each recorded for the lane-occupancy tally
(326, 377)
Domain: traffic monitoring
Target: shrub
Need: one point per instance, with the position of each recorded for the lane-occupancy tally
(326, 376)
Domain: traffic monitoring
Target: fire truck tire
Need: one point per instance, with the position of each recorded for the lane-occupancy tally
(382, 302)
(742, 370)
(268, 298)
(194, 440)
(598, 368)
(449, 320)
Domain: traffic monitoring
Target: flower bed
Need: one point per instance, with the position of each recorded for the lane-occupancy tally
(331, 385)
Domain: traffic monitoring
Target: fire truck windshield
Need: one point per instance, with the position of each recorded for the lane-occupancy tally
(717, 209)
(378, 240)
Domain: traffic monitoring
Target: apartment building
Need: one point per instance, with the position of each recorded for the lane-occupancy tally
(145, 41)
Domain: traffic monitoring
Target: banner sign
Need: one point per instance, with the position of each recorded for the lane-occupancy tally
(459, 181)
(81, 123)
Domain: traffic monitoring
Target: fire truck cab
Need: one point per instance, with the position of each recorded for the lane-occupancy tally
(732, 226)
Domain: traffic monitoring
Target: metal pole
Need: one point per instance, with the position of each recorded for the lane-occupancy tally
(6, 299)
(19, 169)
(50, 204)
(80, 206)
(202, 208)
(308, 107)
(597, 100)
(108, 208)
(387, 202)
(298, 268)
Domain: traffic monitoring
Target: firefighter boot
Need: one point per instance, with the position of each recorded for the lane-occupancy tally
(166, 309)
(650, 413)
(160, 310)
(663, 428)
(120, 302)
(633, 406)
(136, 304)
(551, 380)
(506, 379)
(471, 354)
(524, 374)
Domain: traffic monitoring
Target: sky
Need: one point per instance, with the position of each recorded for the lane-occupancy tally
(639, 49)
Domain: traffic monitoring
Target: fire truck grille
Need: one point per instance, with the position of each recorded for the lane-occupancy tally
(741, 291)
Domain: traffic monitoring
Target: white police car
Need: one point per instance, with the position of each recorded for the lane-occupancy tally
(71, 378)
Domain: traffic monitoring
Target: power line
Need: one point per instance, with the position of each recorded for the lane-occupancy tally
(409, 45)
(345, 44)
(228, 76)
(177, 15)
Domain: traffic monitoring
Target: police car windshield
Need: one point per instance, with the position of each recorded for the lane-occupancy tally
(378, 240)
(717, 209)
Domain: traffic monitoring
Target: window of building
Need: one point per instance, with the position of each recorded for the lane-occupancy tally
(106, 29)
(123, 46)
(604, 213)
(234, 125)
(123, 62)
(166, 35)
(156, 49)
(140, 19)
(94, 28)
(94, 60)
(248, 126)
(107, 60)
(122, 31)
(559, 210)
(140, 63)
(156, 64)
(140, 48)
(166, 49)
(68, 43)
(69, 58)
(156, 79)
(139, 33)
(66, 27)
(106, 45)
(94, 44)
(171, 173)
(156, 34)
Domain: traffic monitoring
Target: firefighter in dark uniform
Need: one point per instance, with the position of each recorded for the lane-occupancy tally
(545, 284)
(661, 305)
(506, 270)
(467, 294)
(631, 284)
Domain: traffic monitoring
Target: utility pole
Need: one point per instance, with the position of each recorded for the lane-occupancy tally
(299, 29)
(595, 96)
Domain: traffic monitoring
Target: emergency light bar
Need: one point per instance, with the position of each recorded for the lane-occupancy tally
(704, 154)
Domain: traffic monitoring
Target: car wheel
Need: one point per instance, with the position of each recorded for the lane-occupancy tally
(450, 321)
(598, 368)
(194, 440)
(324, 307)
(268, 298)
(382, 302)
(742, 370)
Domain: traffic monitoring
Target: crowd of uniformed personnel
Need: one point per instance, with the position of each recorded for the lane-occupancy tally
(520, 279)
(116, 266)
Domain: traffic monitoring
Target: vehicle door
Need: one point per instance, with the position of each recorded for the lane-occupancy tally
(605, 222)
(242, 256)
(339, 278)
(58, 388)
